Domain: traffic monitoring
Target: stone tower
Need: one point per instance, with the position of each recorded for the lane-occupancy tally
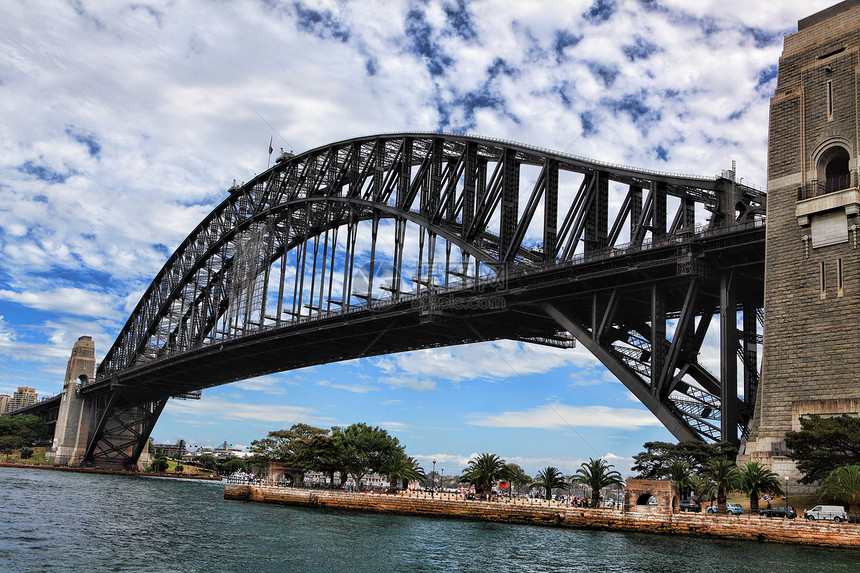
(812, 262)
(73, 420)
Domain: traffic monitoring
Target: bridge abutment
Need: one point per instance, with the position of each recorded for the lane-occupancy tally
(72, 428)
(812, 261)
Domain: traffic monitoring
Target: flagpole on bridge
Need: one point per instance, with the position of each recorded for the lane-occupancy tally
(269, 162)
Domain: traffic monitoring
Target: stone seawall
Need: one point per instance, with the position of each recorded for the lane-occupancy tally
(744, 527)
(78, 469)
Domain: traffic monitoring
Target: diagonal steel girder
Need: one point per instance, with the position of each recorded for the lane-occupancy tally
(674, 423)
(122, 429)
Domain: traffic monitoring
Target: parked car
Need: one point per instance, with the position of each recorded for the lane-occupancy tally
(834, 512)
(689, 505)
(779, 511)
(731, 509)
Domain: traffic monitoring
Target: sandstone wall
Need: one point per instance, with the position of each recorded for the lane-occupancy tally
(745, 527)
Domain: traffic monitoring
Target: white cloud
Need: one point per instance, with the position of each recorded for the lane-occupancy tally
(557, 415)
(491, 360)
(354, 388)
(125, 153)
(75, 301)
(407, 382)
(208, 408)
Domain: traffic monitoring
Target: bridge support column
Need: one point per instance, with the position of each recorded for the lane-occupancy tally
(72, 429)
(812, 283)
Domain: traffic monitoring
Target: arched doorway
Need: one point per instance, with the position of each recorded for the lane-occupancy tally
(833, 169)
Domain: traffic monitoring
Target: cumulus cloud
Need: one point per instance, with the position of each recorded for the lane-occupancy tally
(109, 162)
(74, 301)
(557, 415)
(488, 360)
(209, 408)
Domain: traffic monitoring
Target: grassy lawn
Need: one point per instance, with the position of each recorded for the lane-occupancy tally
(186, 468)
(38, 457)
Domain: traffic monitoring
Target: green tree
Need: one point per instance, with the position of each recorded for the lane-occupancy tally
(655, 461)
(549, 479)
(726, 478)
(179, 468)
(181, 446)
(518, 477)
(483, 472)
(755, 480)
(26, 430)
(596, 475)
(823, 444)
(159, 464)
(26, 453)
(234, 464)
(679, 473)
(289, 446)
(362, 449)
(401, 468)
(207, 461)
(843, 484)
(703, 487)
(322, 454)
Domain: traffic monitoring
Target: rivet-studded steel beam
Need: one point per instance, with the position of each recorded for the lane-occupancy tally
(369, 233)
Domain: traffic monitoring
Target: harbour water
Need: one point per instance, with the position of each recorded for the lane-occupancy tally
(60, 521)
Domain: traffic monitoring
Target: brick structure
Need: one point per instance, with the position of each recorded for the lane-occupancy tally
(279, 471)
(640, 491)
(812, 263)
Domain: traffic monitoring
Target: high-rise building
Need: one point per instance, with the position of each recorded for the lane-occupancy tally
(4, 403)
(22, 397)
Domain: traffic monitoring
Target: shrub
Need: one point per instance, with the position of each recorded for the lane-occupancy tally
(158, 464)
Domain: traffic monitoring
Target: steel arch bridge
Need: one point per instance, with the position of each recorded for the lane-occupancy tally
(406, 241)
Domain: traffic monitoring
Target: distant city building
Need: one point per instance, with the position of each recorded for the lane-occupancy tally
(5, 399)
(22, 397)
(169, 450)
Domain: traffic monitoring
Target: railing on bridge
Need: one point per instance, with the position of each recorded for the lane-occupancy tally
(683, 236)
(817, 187)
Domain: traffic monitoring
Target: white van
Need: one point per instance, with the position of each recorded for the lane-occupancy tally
(834, 512)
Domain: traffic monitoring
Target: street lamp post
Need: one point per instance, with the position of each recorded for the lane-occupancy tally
(433, 480)
(786, 497)
(441, 475)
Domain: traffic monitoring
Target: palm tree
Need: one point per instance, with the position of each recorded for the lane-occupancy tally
(681, 475)
(703, 487)
(844, 483)
(483, 472)
(401, 467)
(755, 480)
(725, 475)
(597, 474)
(549, 479)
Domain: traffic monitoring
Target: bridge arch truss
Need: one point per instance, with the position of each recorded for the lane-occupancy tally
(363, 246)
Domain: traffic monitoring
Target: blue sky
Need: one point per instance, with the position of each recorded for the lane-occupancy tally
(124, 123)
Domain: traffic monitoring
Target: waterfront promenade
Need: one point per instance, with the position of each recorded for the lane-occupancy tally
(556, 514)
